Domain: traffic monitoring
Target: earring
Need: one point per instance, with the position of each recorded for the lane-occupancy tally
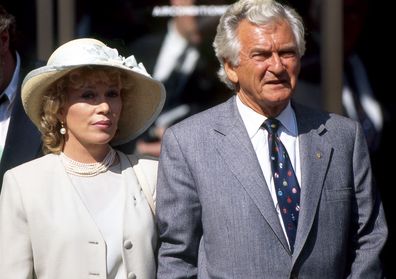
(62, 129)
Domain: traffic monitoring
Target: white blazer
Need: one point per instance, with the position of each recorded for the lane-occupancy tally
(47, 232)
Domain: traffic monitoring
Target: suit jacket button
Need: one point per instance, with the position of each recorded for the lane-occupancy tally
(128, 244)
(131, 275)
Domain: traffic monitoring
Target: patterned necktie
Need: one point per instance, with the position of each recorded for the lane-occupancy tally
(285, 180)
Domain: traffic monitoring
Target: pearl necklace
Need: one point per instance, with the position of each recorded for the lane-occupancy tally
(88, 169)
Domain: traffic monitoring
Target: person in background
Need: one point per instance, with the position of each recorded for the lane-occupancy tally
(365, 97)
(359, 100)
(261, 186)
(84, 210)
(19, 138)
(179, 57)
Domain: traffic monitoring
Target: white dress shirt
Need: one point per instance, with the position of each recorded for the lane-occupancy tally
(370, 105)
(288, 134)
(173, 46)
(6, 107)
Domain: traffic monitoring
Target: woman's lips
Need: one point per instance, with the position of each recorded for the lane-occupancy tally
(103, 123)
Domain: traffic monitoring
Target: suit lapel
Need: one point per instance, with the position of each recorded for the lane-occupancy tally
(315, 156)
(23, 140)
(235, 147)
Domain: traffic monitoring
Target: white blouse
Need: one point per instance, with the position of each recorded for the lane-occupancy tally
(103, 196)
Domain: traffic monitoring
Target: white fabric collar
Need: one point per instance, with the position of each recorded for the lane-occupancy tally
(12, 87)
(254, 120)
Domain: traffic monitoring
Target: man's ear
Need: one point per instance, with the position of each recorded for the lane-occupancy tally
(230, 71)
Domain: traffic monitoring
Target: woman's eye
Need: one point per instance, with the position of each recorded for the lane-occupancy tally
(113, 93)
(88, 95)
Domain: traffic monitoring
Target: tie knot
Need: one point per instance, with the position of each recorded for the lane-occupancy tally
(271, 125)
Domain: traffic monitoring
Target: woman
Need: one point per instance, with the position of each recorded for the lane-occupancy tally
(83, 210)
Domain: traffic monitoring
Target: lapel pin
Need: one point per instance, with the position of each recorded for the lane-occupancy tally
(318, 155)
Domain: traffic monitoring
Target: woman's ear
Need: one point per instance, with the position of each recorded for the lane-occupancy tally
(230, 71)
(61, 115)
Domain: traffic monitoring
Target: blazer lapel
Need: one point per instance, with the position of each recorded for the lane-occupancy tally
(129, 181)
(315, 154)
(235, 147)
(74, 203)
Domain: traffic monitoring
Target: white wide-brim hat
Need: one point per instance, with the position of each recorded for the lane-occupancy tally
(142, 102)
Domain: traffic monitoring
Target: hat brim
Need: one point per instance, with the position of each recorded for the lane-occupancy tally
(142, 102)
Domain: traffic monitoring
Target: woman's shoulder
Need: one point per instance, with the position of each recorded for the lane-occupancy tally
(32, 174)
(40, 164)
(143, 160)
(147, 161)
(144, 165)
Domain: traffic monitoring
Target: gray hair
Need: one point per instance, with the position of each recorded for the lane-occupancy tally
(226, 43)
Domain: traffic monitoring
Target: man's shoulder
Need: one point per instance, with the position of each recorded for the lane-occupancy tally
(206, 117)
(321, 116)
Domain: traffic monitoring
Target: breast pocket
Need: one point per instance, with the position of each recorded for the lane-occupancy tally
(342, 194)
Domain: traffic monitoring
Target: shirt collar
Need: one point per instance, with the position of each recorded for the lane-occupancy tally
(288, 119)
(12, 87)
(254, 120)
(175, 37)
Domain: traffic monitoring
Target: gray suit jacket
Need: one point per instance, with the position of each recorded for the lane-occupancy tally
(217, 219)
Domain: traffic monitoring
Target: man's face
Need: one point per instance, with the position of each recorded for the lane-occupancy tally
(355, 12)
(1, 66)
(186, 25)
(4, 51)
(269, 66)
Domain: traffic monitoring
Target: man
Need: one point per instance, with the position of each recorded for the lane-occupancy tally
(262, 187)
(19, 139)
(179, 58)
(364, 95)
(359, 99)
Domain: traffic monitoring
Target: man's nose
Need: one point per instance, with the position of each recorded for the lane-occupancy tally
(276, 66)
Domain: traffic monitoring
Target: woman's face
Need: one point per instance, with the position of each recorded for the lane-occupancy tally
(92, 111)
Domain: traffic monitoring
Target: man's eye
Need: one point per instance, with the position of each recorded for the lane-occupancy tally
(261, 55)
(287, 54)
